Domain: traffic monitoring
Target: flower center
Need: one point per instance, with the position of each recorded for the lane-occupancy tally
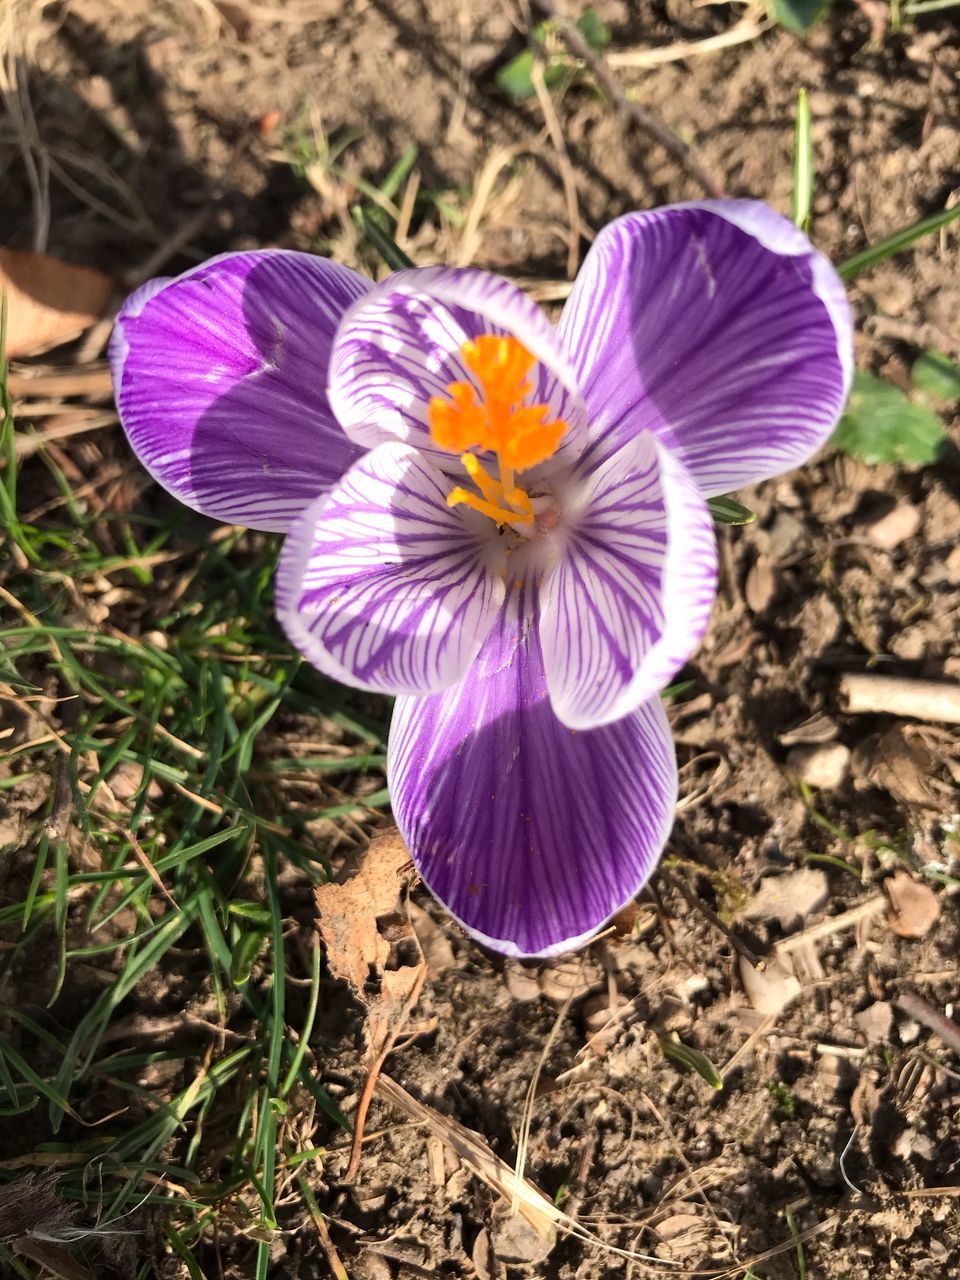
(499, 422)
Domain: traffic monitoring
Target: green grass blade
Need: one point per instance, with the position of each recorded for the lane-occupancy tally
(896, 242)
(294, 1068)
(387, 248)
(803, 165)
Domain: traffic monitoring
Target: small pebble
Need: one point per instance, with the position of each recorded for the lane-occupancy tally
(521, 982)
(895, 527)
(876, 1022)
(785, 533)
(824, 765)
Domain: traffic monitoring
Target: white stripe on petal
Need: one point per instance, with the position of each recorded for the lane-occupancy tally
(400, 345)
(220, 380)
(718, 327)
(530, 834)
(381, 585)
(630, 593)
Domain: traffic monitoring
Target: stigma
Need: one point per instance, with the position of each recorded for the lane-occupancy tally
(499, 421)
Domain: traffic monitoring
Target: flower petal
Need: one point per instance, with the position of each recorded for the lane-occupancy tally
(532, 835)
(630, 593)
(381, 585)
(220, 377)
(400, 345)
(718, 327)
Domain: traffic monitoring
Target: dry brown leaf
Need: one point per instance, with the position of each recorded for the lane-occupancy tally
(900, 763)
(371, 945)
(48, 301)
(360, 917)
(915, 906)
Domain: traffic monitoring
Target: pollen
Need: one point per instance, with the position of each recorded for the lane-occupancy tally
(498, 420)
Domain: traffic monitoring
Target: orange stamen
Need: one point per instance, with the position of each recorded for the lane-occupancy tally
(499, 422)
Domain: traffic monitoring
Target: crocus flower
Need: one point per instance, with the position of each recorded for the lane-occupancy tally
(500, 522)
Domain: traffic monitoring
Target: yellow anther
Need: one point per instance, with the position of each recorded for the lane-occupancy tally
(460, 497)
(491, 489)
(498, 422)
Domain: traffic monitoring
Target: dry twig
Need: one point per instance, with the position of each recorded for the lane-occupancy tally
(567, 175)
(942, 1026)
(650, 125)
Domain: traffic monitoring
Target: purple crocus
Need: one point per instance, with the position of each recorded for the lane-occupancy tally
(500, 522)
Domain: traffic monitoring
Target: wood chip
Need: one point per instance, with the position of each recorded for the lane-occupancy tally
(936, 700)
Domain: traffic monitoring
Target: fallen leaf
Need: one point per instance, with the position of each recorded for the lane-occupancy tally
(48, 301)
(369, 940)
(901, 763)
(350, 911)
(371, 945)
(915, 906)
(789, 899)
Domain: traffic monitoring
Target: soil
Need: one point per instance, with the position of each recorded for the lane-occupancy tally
(840, 1118)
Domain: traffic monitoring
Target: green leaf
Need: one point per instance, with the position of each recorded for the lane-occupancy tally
(896, 242)
(937, 376)
(798, 15)
(681, 1053)
(882, 425)
(729, 511)
(245, 953)
(515, 76)
(594, 30)
(802, 165)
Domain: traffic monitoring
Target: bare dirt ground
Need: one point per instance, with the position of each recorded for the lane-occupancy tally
(194, 128)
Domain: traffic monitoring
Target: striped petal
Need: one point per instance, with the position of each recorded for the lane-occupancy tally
(532, 835)
(718, 327)
(381, 585)
(220, 377)
(630, 593)
(400, 345)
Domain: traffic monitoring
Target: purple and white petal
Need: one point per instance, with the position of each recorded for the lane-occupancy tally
(629, 595)
(220, 378)
(400, 346)
(718, 327)
(381, 585)
(531, 834)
